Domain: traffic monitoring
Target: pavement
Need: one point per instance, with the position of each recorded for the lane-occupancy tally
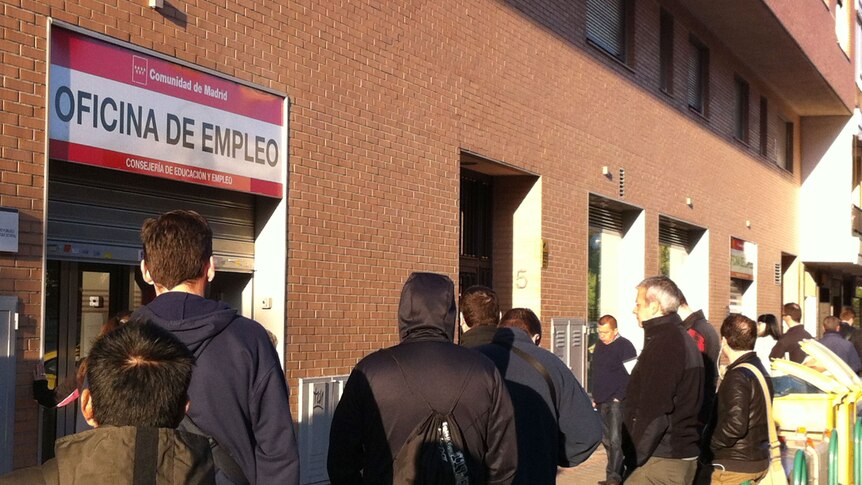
(587, 473)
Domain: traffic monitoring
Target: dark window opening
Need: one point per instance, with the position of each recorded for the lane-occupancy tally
(666, 52)
(741, 121)
(698, 77)
(609, 27)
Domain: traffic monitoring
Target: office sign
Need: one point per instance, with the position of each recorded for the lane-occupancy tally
(119, 108)
(740, 267)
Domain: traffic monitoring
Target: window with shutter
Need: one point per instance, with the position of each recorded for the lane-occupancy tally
(666, 52)
(741, 120)
(606, 26)
(698, 76)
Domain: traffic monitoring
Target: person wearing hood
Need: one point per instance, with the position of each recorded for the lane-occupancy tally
(390, 392)
(238, 388)
(138, 380)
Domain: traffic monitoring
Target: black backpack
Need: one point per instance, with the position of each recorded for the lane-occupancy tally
(435, 452)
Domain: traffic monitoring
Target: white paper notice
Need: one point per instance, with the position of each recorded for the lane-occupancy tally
(630, 364)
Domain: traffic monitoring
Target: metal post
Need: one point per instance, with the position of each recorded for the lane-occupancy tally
(833, 458)
(800, 469)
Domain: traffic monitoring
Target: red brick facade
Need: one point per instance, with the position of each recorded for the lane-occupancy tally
(383, 99)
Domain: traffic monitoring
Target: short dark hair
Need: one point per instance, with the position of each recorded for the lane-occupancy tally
(479, 306)
(608, 320)
(522, 318)
(739, 331)
(831, 323)
(139, 375)
(847, 313)
(793, 311)
(773, 329)
(177, 247)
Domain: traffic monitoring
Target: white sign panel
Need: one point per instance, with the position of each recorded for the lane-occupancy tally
(118, 108)
(8, 230)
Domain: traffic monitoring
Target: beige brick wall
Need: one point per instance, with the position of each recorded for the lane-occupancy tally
(383, 98)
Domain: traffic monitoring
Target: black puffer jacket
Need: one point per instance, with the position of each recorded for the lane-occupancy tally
(740, 441)
(380, 406)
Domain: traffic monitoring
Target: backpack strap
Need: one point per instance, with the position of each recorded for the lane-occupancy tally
(422, 396)
(774, 445)
(221, 457)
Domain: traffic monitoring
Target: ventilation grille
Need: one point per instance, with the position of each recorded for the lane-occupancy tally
(777, 274)
(622, 182)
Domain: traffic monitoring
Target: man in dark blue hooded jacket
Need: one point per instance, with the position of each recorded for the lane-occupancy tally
(238, 388)
(390, 391)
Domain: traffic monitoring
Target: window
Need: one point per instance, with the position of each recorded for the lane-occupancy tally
(741, 115)
(764, 126)
(666, 52)
(788, 145)
(842, 26)
(698, 76)
(858, 47)
(609, 26)
(783, 144)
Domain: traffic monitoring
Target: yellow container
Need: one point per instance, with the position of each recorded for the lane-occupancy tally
(814, 412)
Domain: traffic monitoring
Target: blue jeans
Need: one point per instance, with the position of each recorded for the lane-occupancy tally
(612, 426)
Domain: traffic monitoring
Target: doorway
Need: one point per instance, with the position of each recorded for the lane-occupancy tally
(79, 298)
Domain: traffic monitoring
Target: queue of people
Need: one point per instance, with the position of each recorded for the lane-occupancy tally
(155, 420)
(186, 388)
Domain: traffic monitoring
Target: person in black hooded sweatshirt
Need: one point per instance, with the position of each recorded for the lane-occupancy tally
(238, 388)
(380, 406)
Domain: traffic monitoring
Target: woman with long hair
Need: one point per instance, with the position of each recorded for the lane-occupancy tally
(768, 332)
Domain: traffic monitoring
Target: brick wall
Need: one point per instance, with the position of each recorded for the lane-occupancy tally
(383, 98)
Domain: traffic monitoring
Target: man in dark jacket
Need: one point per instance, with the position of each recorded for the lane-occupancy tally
(238, 389)
(665, 391)
(480, 313)
(610, 379)
(138, 393)
(788, 343)
(740, 441)
(555, 420)
(392, 391)
(709, 344)
(833, 341)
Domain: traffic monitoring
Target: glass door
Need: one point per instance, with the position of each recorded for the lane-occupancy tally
(79, 299)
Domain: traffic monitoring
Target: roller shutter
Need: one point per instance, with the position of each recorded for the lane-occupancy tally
(96, 215)
(606, 25)
(606, 218)
(674, 235)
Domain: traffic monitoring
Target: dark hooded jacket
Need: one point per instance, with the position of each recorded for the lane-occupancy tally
(384, 400)
(740, 442)
(665, 393)
(564, 432)
(238, 392)
(114, 454)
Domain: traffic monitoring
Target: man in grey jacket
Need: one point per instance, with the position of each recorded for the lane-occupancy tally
(554, 418)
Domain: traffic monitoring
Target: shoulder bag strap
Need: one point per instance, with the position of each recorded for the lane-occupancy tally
(222, 458)
(774, 445)
(540, 369)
